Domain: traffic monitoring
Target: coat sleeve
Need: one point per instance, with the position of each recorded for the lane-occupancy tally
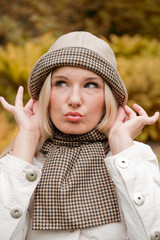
(135, 173)
(18, 180)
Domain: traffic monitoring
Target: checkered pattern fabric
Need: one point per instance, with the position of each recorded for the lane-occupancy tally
(76, 190)
(80, 57)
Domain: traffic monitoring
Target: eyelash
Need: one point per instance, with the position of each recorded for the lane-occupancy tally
(92, 83)
(59, 84)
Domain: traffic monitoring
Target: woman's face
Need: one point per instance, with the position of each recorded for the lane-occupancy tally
(77, 100)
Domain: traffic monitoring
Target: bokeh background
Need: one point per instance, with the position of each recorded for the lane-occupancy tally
(132, 28)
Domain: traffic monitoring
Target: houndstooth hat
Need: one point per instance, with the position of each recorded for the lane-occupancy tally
(80, 49)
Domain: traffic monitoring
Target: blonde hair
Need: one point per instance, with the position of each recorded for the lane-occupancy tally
(43, 113)
(44, 98)
(110, 112)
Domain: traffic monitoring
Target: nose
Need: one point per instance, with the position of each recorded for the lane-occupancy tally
(75, 98)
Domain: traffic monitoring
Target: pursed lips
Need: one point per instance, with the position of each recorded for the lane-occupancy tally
(74, 116)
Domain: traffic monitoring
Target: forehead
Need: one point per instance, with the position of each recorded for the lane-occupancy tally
(72, 71)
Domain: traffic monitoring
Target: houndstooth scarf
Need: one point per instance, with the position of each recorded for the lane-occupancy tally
(75, 190)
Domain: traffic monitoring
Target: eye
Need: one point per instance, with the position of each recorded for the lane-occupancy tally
(91, 85)
(61, 84)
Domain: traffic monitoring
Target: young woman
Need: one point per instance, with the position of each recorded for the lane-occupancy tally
(74, 171)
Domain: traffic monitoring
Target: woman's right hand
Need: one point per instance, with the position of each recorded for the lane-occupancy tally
(28, 124)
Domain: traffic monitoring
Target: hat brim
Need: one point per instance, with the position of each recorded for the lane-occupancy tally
(79, 57)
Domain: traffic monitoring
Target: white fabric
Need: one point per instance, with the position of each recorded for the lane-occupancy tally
(135, 173)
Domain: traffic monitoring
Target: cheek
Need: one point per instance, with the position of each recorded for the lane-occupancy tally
(52, 105)
(99, 104)
(57, 102)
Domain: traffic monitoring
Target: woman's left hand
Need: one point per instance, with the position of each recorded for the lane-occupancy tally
(127, 126)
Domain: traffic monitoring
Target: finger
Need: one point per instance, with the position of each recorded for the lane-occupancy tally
(32, 106)
(29, 104)
(153, 119)
(6, 105)
(156, 115)
(19, 97)
(149, 120)
(129, 112)
(35, 107)
(120, 114)
(139, 110)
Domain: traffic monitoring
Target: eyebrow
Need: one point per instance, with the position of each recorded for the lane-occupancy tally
(86, 79)
(92, 78)
(59, 76)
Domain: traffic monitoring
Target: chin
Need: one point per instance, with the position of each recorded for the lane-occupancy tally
(74, 128)
(74, 131)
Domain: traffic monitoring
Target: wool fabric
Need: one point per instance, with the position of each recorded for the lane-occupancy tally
(79, 49)
(75, 190)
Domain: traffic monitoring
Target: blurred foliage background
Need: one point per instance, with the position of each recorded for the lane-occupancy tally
(132, 28)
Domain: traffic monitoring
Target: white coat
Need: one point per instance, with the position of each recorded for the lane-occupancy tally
(136, 176)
